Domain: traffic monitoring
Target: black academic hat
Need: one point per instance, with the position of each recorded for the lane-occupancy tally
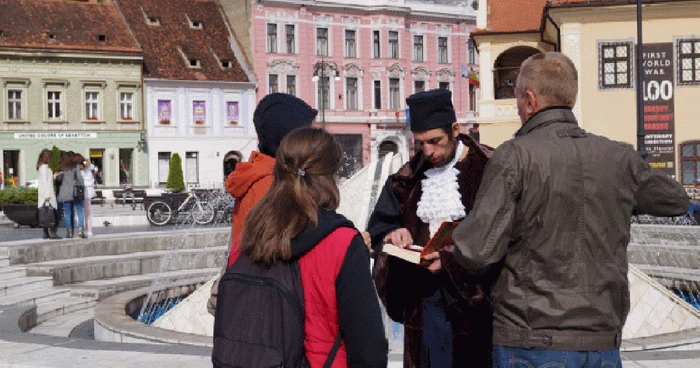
(278, 114)
(431, 110)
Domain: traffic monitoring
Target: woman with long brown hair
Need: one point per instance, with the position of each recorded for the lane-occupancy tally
(46, 191)
(296, 221)
(71, 178)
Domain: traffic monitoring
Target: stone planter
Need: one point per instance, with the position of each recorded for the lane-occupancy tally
(23, 214)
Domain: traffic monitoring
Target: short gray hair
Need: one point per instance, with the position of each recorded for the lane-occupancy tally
(552, 76)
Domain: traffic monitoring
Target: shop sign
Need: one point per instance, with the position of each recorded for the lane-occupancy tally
(55, 135)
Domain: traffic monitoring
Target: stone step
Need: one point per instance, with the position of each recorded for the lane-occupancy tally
(36, 250)
(64, 325)
(71, 271)
(102, 289)
(4, 261)
(24, 284)
(61, 306)
(35, 297)
(4, 252)
(13, 272)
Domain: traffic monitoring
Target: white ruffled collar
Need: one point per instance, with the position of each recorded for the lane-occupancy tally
(441, 200)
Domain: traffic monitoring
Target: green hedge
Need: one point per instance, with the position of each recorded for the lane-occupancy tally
(19, 195)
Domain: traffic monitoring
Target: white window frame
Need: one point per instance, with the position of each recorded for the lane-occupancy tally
(269, 85)
(61, 89)
(422, 56)
(331, 90)
(345, 44)
(121, 103)
(296, 40)
(357, 94)
(286, 84)
(328, 41)
(269, 49)
(374, 107)
(187, 171)
(425, 85)
(372, 47)
(170, 157)
(398, 45)
(21, 87)
(89, 104)
(447, 50)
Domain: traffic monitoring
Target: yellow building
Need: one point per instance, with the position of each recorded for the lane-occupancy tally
(600, 38)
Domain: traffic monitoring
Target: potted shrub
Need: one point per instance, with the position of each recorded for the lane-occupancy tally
(175, 181)
(19, 204)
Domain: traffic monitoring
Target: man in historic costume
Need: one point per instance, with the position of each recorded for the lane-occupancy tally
(447, 319)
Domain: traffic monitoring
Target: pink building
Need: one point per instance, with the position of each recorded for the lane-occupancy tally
(368, 56)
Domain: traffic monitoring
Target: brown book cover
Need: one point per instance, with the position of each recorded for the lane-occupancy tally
(415, 253)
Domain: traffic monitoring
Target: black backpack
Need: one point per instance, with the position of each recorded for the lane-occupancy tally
(259, 321)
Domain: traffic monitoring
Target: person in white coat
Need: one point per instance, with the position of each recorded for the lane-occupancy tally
(46, 190)
(87, 170)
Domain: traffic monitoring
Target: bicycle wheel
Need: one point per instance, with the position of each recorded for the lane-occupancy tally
(159, 213)
(203, 213)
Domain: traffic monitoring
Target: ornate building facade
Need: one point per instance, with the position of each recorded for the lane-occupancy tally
(357, 61)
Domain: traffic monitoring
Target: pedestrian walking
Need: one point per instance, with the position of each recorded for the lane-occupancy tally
(87, 171)
(72, 194)
(46, 193)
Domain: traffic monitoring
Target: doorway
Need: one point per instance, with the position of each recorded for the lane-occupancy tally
(10, 170)
(96, 157)
(231, 159)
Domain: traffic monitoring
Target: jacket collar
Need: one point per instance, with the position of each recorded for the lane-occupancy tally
(545, 116)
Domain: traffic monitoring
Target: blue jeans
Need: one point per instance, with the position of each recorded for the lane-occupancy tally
(437, 333)
(507, 357)
(68, 213)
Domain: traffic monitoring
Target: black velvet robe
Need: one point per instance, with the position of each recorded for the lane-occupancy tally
(402, 286)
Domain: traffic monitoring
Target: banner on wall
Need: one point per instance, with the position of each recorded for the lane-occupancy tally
(232, 112)
(659, 115)
(199, 113)
(164, 111)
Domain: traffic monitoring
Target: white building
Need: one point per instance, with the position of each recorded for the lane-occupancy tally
(199, 99)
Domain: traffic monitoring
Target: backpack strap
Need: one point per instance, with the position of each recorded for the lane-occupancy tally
(333, 352)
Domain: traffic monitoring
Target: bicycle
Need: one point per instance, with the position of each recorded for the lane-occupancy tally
(162, 212)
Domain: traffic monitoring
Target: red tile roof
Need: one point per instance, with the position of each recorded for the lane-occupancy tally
(165, 46)
(513, 16)
(63, 26)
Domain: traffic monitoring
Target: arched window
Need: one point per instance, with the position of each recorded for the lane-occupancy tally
(506, 69)
(690, 161)
(387, 147)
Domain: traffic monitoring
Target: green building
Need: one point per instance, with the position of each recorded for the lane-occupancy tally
(71, 76)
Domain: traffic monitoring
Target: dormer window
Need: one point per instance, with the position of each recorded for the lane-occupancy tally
(226, 64)
(152, 21)
(194, 63)
(2, 33)
(193, 23)
(50, 36)
(102, 38)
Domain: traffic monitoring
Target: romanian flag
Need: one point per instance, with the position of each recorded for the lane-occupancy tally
(473, 79)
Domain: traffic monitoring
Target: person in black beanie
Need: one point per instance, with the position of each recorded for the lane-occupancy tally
(276, 115)
(447, 319)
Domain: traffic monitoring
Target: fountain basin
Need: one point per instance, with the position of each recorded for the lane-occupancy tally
(113, 322)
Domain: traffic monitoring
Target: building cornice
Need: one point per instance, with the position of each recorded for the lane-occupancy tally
(155, 82)
(359, 8)
(77, 54)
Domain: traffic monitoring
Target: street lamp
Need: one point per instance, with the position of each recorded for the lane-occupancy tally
(322, 67)
(640, 83)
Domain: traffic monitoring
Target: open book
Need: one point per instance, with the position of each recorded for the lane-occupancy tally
(415, 253)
